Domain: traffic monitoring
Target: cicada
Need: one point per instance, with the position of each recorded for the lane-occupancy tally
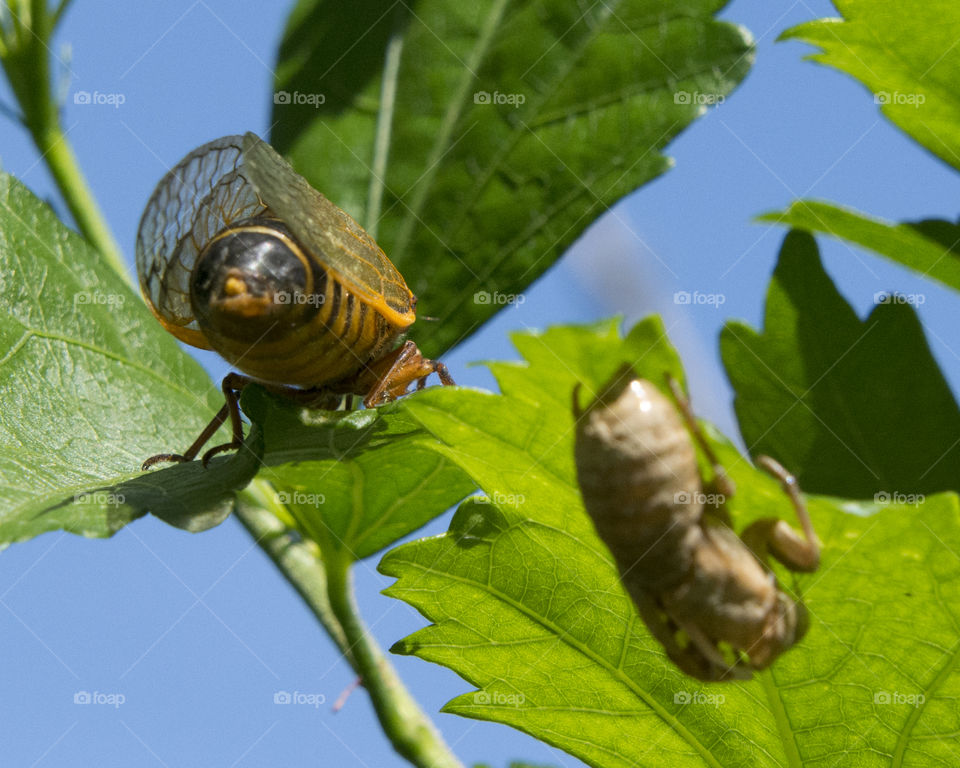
(706, 594)
(237, 253)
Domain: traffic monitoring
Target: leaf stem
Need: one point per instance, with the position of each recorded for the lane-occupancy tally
(25, 36)
(80, 201)
(298, 559)
(325, 585)
(405, 724)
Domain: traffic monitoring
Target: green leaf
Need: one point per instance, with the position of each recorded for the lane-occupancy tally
(851, 407)
(930, 247)
(887, 605)
(585, 354)
(472, 200)
(88, 380)
(514, 431)
(353, 481)
(906, 53)
(525, 604)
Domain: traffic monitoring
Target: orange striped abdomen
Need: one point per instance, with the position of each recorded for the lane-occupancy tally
(333, 343)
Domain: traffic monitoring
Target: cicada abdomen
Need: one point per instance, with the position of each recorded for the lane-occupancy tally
(638, 473)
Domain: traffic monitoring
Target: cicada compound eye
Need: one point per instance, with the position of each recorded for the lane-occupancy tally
(253, 282)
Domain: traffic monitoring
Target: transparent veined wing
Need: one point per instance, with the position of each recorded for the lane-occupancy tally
(198, 197)
(335, 239)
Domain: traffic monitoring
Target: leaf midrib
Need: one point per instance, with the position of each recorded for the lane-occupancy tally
(788, 736)
(383, 132)
(903, 741)
(450, 119)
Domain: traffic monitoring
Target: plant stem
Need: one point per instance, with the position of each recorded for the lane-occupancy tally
(410, 731)
(25, 54)
(297, 559)
(324, 584)
(80, 201)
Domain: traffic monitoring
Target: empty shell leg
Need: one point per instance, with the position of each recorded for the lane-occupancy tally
(689, 659)
(799, 553)
(721, 481)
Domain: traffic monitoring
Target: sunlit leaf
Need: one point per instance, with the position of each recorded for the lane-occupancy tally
(525, 604)
(88, 383)
(906, 54)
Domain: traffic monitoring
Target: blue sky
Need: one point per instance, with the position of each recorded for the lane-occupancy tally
(197, 633)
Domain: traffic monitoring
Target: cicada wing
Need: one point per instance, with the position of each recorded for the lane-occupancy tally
(198, 197)
(337, 241)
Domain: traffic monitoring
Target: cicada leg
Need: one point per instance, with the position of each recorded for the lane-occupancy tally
(699, 658)
(394, 372)
(773, 536)
(232, 385)
(721, 480)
